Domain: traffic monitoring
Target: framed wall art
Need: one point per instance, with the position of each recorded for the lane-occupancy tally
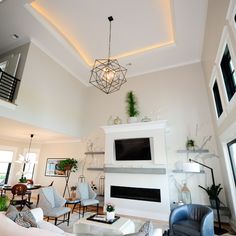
(52, 168)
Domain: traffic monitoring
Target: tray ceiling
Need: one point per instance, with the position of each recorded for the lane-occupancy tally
(147, 35)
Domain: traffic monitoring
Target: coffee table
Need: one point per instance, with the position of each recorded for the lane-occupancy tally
(120, 227)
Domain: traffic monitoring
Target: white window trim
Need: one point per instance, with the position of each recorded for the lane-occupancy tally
(12, 171)
(226, 137)
(225, 40)
(215, 77)
(230, 16)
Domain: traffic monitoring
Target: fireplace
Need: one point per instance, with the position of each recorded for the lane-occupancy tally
(142, 194)
(137, 187)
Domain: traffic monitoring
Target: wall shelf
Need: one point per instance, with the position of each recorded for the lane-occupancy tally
(95, 168)
(94, 153)
(193, 151)
(188, 172)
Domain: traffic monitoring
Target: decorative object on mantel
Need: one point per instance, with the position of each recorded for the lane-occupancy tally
(107, 74)
(110, 212)
(117, 121)
(132, 109)
(146, 119)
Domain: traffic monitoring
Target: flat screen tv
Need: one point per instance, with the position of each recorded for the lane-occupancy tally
(137, 149)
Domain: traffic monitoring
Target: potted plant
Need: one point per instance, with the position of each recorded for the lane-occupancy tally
(213, 193)
(132, 109)
(110, 212)
(68, 164)
(190, 144)
(4, 202)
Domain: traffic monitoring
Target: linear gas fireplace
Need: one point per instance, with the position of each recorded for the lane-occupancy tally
(142, 194)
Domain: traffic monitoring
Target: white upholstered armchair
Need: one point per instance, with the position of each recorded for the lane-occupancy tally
(53, 205)
(87, 196)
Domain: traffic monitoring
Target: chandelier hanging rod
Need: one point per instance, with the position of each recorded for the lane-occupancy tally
(110, 18)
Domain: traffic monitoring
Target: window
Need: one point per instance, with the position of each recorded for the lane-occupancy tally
(5, 165)
(232, 154)
(228, 73)
(28, 168)
(217, 98)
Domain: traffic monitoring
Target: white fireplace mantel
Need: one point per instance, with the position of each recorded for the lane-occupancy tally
(138, 174)
(160, 124)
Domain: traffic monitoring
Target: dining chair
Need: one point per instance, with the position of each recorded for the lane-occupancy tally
(19, 196)
(87, 196)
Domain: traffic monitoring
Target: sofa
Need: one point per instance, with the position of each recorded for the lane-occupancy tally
(10, 228)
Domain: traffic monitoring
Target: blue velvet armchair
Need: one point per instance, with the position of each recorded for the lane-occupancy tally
(192, 220)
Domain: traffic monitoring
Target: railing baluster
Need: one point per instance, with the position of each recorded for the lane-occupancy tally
(8, 84)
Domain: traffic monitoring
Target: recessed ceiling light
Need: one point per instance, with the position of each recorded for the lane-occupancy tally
(2, 1)
(15, 36)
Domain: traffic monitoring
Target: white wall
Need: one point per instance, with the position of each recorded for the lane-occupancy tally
(177, 95)
(49, 97)
(225, 130)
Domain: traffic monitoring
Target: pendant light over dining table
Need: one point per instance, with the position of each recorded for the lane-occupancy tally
(107, 74)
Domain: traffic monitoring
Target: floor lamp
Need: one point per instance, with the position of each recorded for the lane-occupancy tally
(218, 230)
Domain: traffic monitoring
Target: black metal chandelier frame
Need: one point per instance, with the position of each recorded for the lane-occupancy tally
(107, 74)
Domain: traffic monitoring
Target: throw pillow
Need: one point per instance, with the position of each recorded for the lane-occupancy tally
(20, 221)
(147, 228)
(28, 217)
(12, 212)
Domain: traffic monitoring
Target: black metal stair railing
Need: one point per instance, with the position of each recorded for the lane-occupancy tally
(8, 85)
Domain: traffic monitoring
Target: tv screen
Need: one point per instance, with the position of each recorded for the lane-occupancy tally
(137, 149)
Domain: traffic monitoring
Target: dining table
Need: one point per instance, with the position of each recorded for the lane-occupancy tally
(30, 187)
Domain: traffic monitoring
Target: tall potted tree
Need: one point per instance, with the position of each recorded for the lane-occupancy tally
(132, 107)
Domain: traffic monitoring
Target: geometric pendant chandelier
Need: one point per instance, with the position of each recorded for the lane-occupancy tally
(107, 74)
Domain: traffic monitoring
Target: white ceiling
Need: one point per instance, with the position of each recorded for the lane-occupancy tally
(84, 25)
(17, 131)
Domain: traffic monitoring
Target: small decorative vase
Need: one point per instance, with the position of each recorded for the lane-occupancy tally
(73, 194)
(110, 216)
(117, 121)
(133, 119)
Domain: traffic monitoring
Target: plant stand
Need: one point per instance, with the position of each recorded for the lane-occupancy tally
(67, 177)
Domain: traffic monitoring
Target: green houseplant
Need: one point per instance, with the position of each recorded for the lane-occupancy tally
(68, 164)
(213, 193)
(132, 109)
(4, 202)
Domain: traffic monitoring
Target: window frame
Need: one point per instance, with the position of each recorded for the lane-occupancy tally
(233, 167)
(215, 78)
(9, 175)
(225, 40)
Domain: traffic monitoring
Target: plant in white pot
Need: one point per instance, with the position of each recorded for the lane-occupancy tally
(132, 107)
(110, 212)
